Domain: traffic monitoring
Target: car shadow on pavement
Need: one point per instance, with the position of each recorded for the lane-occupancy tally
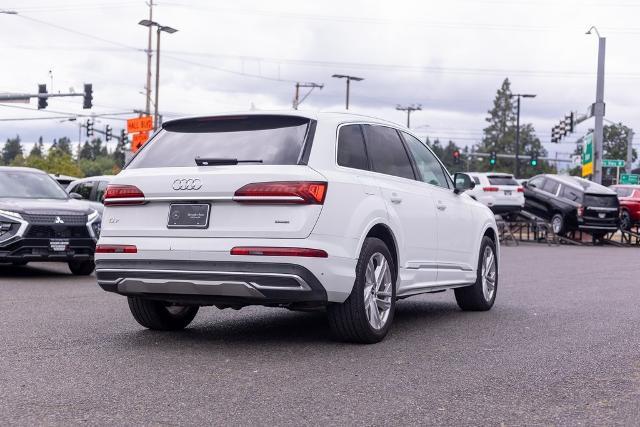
(277, 326)
(9, 270)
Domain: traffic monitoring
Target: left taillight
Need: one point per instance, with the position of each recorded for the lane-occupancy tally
(283, 192)
(118, 195)
(116, 249)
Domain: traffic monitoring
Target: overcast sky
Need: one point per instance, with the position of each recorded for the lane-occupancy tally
(450, 56)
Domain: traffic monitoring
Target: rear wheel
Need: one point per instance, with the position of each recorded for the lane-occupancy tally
(365, 317)
(82, 268)
(161, 316)
(482, 294)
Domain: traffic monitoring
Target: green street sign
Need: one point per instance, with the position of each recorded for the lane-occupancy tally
(630, 179)
(607, 163)
(587, 155)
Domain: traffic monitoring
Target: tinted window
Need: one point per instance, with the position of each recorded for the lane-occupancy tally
(351, 151)
(29, 185)
(536, 182)
(502, 180)
(102, 187)
(550, 186)
(601, 201)
(623, 192)
(275, 140)
(386, 152)
(572, 194)
(476, 180)
(83, 189)
(427, 164)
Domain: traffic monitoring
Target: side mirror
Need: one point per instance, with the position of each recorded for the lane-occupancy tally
(462, 182)
(75, 196)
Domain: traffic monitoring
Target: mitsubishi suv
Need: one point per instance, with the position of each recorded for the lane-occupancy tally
(40, 222)
(330, 211)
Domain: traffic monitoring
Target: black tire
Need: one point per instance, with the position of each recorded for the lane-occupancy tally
(81, 268)
(563, 228)
(472, 298)
(349, 320)
(625, 220)
(157, 315)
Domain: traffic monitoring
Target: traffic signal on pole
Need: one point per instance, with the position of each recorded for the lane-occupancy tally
(534, 160)
(88, 96)
(124, 137)
(570, 122)
(42, 100)
(456, 156)
(493, 158)
(108, 133)
(89, 127)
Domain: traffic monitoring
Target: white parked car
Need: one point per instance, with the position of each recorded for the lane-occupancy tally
(295, 210)
(90, 189)
(501, 192)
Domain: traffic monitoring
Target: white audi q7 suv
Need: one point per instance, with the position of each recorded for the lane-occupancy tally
(303, 211)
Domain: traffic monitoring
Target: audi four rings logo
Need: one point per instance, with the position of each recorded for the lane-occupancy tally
(187, 184)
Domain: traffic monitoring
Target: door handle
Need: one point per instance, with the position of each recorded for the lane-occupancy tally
(396, 200)
(441, 206)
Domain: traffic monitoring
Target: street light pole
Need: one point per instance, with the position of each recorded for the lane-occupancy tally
(149, 54)
(518, 96)
(598, 109)
(349, 78)
(409, 109)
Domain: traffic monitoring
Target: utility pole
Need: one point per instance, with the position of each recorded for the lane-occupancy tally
(598, 110)
(409, 109)
(348, 78)
(518, 96)
(147, 108)
(296, 100)
(629, 162)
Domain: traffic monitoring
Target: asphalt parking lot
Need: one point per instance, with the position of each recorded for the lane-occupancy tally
(562, 346)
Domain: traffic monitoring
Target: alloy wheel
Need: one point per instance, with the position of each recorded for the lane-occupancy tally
(378, 291)
(488, 273)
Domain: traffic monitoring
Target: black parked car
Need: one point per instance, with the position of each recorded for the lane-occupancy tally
(571, 203)
(40, 222)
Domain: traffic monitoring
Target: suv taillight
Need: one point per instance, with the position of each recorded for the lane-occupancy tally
(491, 189)
(580, 211)
(117, 195)
(287, 192)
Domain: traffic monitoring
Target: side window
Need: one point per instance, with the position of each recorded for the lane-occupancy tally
(476, 180)
(84, 189)
(536, 182)
(572, 194)
(428, 165)
(351, 150)
(386, 151)
(100, 189)
(550, 186)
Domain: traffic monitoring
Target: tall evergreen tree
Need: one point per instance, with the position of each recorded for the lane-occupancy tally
(64, 145)
(12, 149)
(85, 152)
(38, 149)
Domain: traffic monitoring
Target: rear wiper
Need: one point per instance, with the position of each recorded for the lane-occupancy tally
(204, 161)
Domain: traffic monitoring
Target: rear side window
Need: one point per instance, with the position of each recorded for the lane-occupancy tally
(550, 186)
(476, 180)
(351, 149)
(502, 180)
(572, 194)
(271, 139)
(601, 201)
(387, 152)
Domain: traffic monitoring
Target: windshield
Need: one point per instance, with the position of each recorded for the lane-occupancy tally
(29, 185)
(270, 140)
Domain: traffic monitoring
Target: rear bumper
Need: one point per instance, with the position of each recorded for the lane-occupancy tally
(206, 283)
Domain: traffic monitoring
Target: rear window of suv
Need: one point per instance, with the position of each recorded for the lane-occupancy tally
(502, 180)
(601, 201)
(272, 139)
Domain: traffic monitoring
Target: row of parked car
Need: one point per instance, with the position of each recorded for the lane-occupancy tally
(569, 203)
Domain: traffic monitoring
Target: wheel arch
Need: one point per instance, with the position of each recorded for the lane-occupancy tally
(383, 232)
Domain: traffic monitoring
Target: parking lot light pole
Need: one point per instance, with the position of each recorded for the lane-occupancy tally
(349, 78)
(518, 96)
(160, 28)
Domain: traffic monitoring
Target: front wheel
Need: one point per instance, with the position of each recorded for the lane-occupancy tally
(365, 317)
(82, 268)
(557, 223)
(161, 316)
(482, 294)
(625, 220)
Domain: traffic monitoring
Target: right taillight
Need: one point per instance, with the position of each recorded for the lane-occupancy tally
(287, 192)
(490, 189)
(117, 195)
(580, 210)
(116, 249)
(520, 190)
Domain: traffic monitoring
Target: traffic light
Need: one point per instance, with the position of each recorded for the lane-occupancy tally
(42, 100)
(88, 96)
(493, 158)
(108, 133)
(456, 156)
(534, 160)
(569, 120)
(89, 127)
(124, 137)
